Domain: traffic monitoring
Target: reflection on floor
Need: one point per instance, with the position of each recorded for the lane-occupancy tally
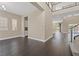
(56, 46)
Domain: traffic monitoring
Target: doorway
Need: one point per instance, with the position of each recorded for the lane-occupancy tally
(57, 27)
(26, 26)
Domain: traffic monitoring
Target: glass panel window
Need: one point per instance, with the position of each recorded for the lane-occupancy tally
(14, 24)
(3, 24)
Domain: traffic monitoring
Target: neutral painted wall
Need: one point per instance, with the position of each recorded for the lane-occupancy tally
(36, 25)
(40, 23)
(48, 24)
(48, 20)
(67, 21)
(9, 32)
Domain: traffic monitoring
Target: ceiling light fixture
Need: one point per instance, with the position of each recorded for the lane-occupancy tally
(3, 7)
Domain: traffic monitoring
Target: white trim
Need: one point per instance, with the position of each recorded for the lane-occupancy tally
(49, 38)
(2, 38)
(42, 40)
(36, 39)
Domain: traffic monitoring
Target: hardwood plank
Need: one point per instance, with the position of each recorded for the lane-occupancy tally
(56, 46)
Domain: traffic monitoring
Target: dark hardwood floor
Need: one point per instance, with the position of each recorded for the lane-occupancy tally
(56, 46)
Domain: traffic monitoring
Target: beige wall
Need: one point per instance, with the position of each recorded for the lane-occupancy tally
(36, 25)
(9, 32)
(40, 23)
(69, 20)
(48, 24)
(48, 20)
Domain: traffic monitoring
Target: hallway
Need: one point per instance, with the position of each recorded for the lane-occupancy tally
(59, 45)
(28, 47)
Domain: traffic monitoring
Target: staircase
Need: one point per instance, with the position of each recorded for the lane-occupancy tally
(74, 45)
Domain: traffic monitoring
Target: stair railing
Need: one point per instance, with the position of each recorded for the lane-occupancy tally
(72, 30)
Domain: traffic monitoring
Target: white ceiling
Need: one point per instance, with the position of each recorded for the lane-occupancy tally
(19, 8)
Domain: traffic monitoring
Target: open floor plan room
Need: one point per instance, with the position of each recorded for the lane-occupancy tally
(39, 28)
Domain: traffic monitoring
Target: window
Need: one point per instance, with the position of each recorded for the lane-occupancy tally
(3, 24)
(14, 24)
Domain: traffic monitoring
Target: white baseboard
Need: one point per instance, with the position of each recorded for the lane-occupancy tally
(42, 40)
(49, 38)
(5, 38)
(36, 39)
